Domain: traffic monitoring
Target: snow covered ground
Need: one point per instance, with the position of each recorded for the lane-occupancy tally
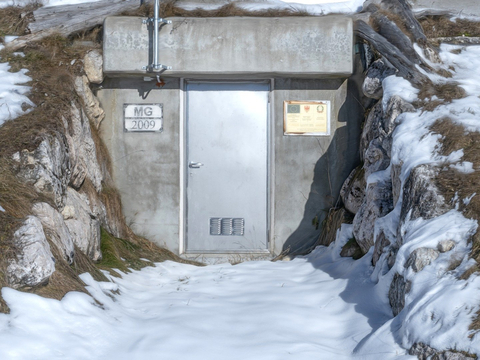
(316, 307)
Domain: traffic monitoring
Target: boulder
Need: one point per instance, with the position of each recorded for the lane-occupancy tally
(82, 224)
(47, 168)
(395, 107)
(445, 245)
(376, 158)
(395, 172)
(335, 218)
(396, 294)
(371, 128)
(34, 263)
(83, 156)
(377, 203)
(421, 257)
(353, 190)
(381, 243)
(55, 229)
(91, 104)
(421, 198)
(93, 66)
(379, 70)
(351, 249)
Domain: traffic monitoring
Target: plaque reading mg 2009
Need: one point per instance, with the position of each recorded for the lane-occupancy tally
(306, 118)
(143, 117)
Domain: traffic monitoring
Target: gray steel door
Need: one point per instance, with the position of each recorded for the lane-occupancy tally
(227, 167)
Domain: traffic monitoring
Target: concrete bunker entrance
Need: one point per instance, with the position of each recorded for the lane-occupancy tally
(224, 164)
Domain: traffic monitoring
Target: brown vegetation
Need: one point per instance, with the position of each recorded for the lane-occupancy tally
(170, 9)
(442, 26)
(14, 19)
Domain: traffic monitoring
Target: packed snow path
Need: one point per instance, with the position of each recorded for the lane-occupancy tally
(317, 307)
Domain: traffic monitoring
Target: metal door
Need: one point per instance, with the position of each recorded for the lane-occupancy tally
(227, 167)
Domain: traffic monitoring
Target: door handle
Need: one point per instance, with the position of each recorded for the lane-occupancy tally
(194, 165)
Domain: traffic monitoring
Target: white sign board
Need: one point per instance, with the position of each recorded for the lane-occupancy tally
(143, 117)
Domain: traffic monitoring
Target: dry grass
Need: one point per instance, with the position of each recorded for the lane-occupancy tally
(170, 9)
(442, 26)
(445, 93)
(453, 183)
(14, 20)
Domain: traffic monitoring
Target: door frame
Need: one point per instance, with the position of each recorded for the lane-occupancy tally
(183, 143)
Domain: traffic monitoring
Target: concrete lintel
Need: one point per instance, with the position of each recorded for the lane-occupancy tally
(233, 47)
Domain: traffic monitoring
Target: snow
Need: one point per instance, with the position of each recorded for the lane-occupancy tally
(12, 92)
(315, 307)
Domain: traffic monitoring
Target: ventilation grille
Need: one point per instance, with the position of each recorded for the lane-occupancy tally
(227, 226)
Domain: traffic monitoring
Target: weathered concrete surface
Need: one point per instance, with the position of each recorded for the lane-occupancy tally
(220, 47)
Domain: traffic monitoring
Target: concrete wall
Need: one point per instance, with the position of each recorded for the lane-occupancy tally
(146, 167)
(233, 47)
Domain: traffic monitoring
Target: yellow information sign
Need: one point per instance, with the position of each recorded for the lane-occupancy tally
(306, 118)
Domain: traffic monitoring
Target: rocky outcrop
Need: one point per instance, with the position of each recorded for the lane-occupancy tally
(34, 263)
(379, 70)
(396, 294)
(91, 104)
(425, 352)
(93, 66)
(82, 224)
(420, 258)
(377, 203)
(83, 155)
(47, 168)
(55, 229)
(353, 190)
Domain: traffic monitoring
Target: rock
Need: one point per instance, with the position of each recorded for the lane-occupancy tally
(352, 249)
(91, 104)
(333, 221)
(55, 229)
(446, 245)
(35, 263)
(396, 294)
(421, 257)
(395, 107)
(82, 224)
(353, 190)
(371, 128)
(381, 242)
(421, 198)
(93, 66)
(379, 70)
(47, 168)
(376, 158)
(83, 156)
(377, 203)
(395, 172)
(425, 352)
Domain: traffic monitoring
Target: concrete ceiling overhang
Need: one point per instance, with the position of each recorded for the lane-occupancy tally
(233, 47)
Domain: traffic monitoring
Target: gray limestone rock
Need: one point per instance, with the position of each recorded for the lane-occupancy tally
(55, 229)
(47, 168)
(377, 203)
(93, 66)
(334, 220)
(445, 245)
(395, 172)
(381, 243)
(376, 158)
(421, 198)
(426, 352)
(35, 263)
(395, 107)
(91, 104)
(379, 70)
(353, 190)
(421, 257)
(396, 294)
(82, 224)
(83, 155)
(371, 128)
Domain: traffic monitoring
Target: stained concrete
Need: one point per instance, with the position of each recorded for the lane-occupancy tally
(233, 47)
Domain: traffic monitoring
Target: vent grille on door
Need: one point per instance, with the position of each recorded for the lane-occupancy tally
(227, 226)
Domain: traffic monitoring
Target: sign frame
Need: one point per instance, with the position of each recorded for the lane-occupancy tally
(143, 123)
(311, 104)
